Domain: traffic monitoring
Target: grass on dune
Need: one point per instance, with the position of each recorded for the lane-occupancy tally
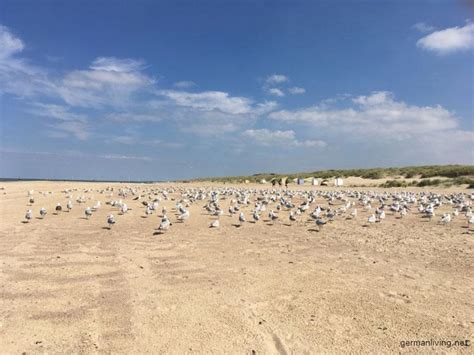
(456, 174)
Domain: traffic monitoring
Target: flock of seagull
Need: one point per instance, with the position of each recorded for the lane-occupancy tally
(322, 207)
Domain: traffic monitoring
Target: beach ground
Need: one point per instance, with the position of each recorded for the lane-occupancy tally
(70, 285)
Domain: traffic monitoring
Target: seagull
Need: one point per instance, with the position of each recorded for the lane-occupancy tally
(58, 208)
(445, 218)
(88, 212)
(163, 211)
(184, 215)
(28, 215)
(470, 220)
(292, 216)
(32, 200)
(272, 215)
(110, 220)
(354, 213)
(320, 222)
(149, 210)
(124, 208)
(42, 212)
(165, 224)
(69, 206)
(403, 212)
(255, 216)
(96, 206)
(241, 218)
(214, 224)
(372, 219)
(382, 215)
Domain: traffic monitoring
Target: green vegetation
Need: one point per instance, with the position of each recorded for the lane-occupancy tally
(431, 182)
(394, 183)
(457, 174)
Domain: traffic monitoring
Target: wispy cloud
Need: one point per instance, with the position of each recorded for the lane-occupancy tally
(67, 123)
(449, 40)
(276, 79)
(423, 27)
(75, 154)
(9, 43)
(277, 138)
(377, 114)
(276, 92)
(210, 100)
(184, 84)
(123, 157)
(113, 64)
(296, 90)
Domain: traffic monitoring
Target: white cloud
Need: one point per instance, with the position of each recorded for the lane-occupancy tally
(76, 129)
(123, 157)
(209, 101)
(134, 116)
(96, 88)
(423, 27)
(126, 140)
(449, 40)
(276, 92)
(67, 123)
(276, 79)
(296, 90)
(9, 44)
(113, 64)
(17, 76)
(268, 137)
(377, 114)
(184, 84)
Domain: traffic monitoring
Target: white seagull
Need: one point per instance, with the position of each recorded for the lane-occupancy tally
(28, 215)
(110, 220)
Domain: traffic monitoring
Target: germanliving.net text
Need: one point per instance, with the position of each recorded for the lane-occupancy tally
(435, 343)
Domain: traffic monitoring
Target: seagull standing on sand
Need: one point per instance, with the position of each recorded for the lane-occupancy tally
(292, 216)
(445, 218)
(110, 220)
(320, 222)
(42, 212)
(470, 221)
(88, 212)
(255, 216)
(354, 213)
(96, 206)
(241, 218)
(28, 215)
(184, 216)
(149, 210)
(273, 216)
(58, 208)
(372, 219)
(214, 224)
(69, 206)
(124, 208)
(165, 224)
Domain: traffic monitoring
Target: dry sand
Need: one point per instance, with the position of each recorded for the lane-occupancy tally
(69, 286)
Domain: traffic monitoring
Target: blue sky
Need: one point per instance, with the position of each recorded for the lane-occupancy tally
(159, 90)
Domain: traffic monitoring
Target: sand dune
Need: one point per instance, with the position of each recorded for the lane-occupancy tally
(69, 285)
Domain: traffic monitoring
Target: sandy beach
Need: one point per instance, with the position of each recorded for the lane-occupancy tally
(69, 285)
